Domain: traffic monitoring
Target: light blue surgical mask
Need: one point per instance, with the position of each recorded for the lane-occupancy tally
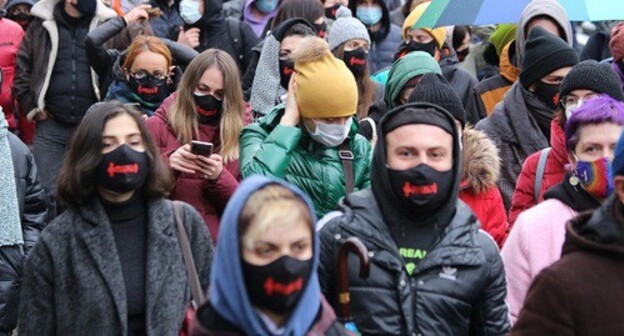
(266, 6)
(189, 11)
(369, 15)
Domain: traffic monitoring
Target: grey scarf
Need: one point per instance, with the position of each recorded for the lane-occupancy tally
(266, 89)
(10, 223)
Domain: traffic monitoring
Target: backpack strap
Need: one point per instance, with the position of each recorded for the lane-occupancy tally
(539, 175)
(233, 27)
(191, 271)
(346, 158)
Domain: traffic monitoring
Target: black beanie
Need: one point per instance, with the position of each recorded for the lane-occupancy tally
(434, 89)
(594, 76)
(543, 54)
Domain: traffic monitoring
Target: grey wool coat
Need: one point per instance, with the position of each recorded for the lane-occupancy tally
(73, 282)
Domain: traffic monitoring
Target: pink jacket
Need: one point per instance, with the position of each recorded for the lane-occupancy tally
(534, 243)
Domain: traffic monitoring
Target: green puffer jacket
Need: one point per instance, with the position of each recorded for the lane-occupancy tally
(268, 148)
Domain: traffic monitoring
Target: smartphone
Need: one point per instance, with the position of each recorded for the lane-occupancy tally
(201, 148)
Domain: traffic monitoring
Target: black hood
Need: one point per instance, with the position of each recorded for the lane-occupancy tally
(573, 196)
(212, 19)
(283, 27)
(385, 20)
(391, 206)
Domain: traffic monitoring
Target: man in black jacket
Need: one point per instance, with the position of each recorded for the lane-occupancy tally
(433, 271)
(23, 212)
(54, 83)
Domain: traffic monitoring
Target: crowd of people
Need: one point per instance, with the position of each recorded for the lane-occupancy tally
(307, 167)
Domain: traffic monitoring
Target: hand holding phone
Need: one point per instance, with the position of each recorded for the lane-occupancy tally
(202, 148)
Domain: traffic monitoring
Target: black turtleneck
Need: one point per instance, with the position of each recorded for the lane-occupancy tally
(573, 196)
(129, 224)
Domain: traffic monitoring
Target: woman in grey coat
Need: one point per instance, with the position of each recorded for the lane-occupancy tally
(111, 264)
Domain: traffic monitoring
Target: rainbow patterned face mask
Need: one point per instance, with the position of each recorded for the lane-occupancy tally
(595, 176)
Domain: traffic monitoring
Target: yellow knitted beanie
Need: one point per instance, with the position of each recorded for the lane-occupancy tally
(326, 88)
(438, 34)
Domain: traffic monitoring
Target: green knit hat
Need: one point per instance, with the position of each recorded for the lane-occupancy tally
(403, 70)
(503, 34)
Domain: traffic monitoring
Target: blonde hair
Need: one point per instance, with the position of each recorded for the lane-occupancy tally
(183, 116)
(271, 205)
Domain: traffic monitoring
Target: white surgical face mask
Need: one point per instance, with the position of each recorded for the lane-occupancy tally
(189, 11)
(331, 135)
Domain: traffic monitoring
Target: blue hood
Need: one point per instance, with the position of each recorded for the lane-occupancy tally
(228, 295)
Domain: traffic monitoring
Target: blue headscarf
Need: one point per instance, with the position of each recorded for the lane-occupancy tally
(228, 295)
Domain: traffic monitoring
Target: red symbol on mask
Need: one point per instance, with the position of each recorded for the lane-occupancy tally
(205, 112)
(322, 34)
(556, 99)
(122, 169)
(271, 287)
(288, 71)
(147, 90)
(357, 61)
(411, 189)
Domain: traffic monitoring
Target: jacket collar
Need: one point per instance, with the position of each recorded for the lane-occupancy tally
(480, 161)
(507, 69)
(557, 142)
(44, 10)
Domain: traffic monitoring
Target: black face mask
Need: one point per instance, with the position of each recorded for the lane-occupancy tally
(330, 12)
(208, 108)
(22, 19)
(547, 94)
(422, 189)
(123, 170)
(278, 285)
(408, 47)
(321, 29)
(286, 69)
(356, 61)
(86, 7)
(149, 89)
(461, 55)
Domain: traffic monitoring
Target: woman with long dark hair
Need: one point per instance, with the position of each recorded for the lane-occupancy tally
(111, 262)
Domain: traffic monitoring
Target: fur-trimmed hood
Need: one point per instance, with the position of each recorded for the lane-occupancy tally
(44, 10)
(480, 161)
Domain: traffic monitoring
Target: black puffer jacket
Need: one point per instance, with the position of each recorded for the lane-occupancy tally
(458, 288)
(33, 209)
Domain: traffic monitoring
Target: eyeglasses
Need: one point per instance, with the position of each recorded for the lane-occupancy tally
(574, 102)
(145, 78)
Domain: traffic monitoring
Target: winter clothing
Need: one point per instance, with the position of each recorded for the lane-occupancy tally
(461, 81)
(207, 197)
(403, 70)
(502, 36)
(480, 173)
(536, 240)
(436, 90)
(38, 54)
(78, 249)
(108, 63)
(268, 148)
(346, 28)
(617, 166)
(581, 293)
(120, 91)
(594, 76)
(266, 91)
(216, 34)
(315, 64)
(491, 91)
(597, 46)
(168, 24)
(516, 134)
(10, 41)
(230, 308)
(543, 54)
(438, 34)
(616, 44)
(384, 41)
(377, 217)
(21, 223)
(554, 171)
(549, 8)
(256, 23)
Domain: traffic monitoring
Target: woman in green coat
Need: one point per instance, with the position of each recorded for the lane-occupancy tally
(311, 139)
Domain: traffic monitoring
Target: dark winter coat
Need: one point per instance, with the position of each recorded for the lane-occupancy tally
(271, 149)
(461, 81)
(582, 293)
(107, 63)
(457, 289)
(208, 197)
(37, 56)
(516, 134)
(168, 24)
(33, 209)
(73, 281)
(597, 46)
(554, 171)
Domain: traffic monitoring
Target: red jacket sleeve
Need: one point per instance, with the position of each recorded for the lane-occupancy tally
(496, 223)
(220, 190)
(524, 197)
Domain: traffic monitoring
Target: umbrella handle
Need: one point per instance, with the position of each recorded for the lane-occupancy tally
(354, 245)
